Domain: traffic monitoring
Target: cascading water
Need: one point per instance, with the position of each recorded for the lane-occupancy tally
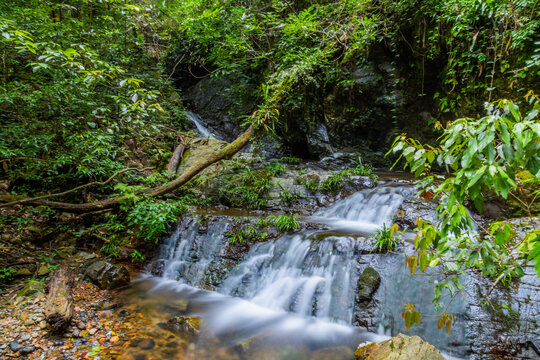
(197, 121)
(300, 290)
(185, 257)
(310, 275)
(300, 273)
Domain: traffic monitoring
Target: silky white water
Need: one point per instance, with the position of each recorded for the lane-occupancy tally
(299, 273)
(196, 120)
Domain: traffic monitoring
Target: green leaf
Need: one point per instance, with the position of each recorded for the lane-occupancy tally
(477, 175)
(430, 156)
(507, 152)
(473, 258)
(416, 317)
(533, 165)
(535, 254)
(506, 177)
(514, 110)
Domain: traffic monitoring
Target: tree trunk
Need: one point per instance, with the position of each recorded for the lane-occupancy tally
(225, 153)
(59, 306)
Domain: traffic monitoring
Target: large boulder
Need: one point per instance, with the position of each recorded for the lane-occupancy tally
(400, 347)
(200, 149)
(106, 275)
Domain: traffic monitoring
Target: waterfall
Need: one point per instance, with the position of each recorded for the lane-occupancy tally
(300, 289)
(301, 273)
(196, 120)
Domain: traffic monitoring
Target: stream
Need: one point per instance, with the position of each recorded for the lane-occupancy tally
(296, 296)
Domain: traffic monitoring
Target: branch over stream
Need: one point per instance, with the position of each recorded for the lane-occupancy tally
(226, 152)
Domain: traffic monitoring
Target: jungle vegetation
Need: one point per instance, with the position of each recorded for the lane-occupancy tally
(90, 103)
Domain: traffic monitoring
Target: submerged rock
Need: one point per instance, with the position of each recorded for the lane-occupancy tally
(147, 344)
(333, 353)
(106, 275)
(368, 283)
(400, 347)
(182, 325)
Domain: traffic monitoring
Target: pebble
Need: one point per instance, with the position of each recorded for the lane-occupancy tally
(92, 331)
(29, 322)
(42, 324)
(147, 344)
(27, 350)
(81, 325)
(58, 343)
(15, 346)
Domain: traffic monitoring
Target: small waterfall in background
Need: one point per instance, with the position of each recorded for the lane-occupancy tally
(197, 120)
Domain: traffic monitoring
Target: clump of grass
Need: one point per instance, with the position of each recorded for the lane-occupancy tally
(386, 239)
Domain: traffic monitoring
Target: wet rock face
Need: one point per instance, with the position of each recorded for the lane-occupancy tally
(509, 326)
(400, 347)
(339, 161)
(411, 209)
(361, 115)
(216, 100)
(106, 275)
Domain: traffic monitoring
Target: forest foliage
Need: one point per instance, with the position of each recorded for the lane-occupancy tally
(496, 156)
(87, 90)
(481, 49)
(86, 85)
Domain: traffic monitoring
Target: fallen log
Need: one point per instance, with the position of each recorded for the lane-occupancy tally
(59, 305)
(176, 158)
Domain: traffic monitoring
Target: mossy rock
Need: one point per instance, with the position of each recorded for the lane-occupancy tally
(400, 347)
(106, 275)
(368, 282)
(33, 287)
(183, 326)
